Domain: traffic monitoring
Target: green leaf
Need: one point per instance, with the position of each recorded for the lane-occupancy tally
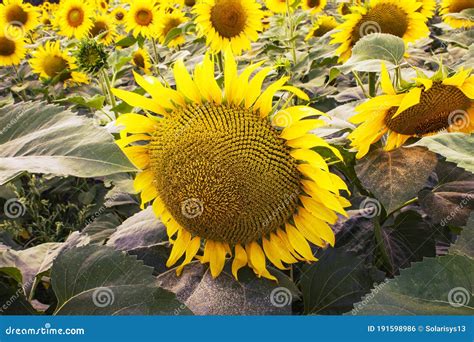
(97, 280)
(372, 49)
(436, 286)
(465, 243)
(224, 295)
(95, 102)
(42, 138)
(395, 177)
(335, 282)
(456, 147)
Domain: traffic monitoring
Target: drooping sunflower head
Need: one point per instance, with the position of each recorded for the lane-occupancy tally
(220, 172)
(457, 13)
(233, 23)
(166, 23)
(104, 29)
(323, 25)
(430, 106)
(74, 18)
(51, 61)
(142, 18)
(279, 6)
(12, 51)
(17, 13)
(314, 6)
(119, 14)
(141, 60)
(399, 18)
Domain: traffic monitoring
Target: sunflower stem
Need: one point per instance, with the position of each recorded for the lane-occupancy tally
(157, 61)
(291, 31)
(407, 203)
(359, 82)
(372, 84)
(109, 89)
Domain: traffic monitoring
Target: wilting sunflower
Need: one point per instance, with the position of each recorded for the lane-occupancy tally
(278, 6)
(142, 18)
(103, 27)
(119, 14)
(16, 13)
(314, 6)
(51, 61)
(141, 60)
(229, 22)
(450, 11)
(323, 24)
(428, 8)
(399, 18)
(432, 105)
(12, 51)
(218, 171)
(168, 21)
(74, 18)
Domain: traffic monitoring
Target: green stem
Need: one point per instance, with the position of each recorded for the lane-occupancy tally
(291, 31)
(407, 203)
(381, 245)
(372, 84)
(109, 89)
(359, 83)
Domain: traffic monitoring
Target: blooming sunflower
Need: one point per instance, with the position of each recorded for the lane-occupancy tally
(51, 61)
(399, 18)
(279, 6)
(428, 8)
(142, 18)
(12, 51)
(219, 172)
(430, 106)
(314, 6)
(103, 27)
(323, 24)
(119, 15)
(15, 12)
(141, 60)
(450, 8)
(74, 18)
(168, 21)
(229, 22)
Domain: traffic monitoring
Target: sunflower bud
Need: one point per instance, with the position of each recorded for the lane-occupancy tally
(91, 56)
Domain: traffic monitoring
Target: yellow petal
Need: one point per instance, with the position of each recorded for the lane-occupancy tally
(216, 257)
(158, 207)
(257, 260)
(230, 75)
(184, 82)
(138, 155)
(179, 247)
(309, 141)
(318, 226)
(265, 101)
(290, 115)
(385, 81)
(240, 260)
(458, 79)
(411, 99)
(138, 101)
(136, 123)
(300, 128)
(272, 254)
(143, 180)
(299, 243)
(255, 86)
(318, 209)
(304, 228)
(191, 252)
(426, 82)
(311, 157)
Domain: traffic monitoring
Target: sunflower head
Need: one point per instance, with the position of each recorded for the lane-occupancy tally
(167, 22)
(224, 176)
(142, 18)
(279, 6)
(451, 11)
(75, 18)
(429, 106)
(12, 51)
(323, 25)
(119, 14)
(314, 6)
(17, 13)
(141, 60)
(103, 29)
(91, 56)
(380, 16)
(233, 23)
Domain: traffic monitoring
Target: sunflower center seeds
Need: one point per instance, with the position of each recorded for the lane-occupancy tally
(7, 47)
(75, 17)
(228, 18)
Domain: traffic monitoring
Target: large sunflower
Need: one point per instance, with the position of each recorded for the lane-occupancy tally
(430, 106)
(16, 13)
(51, 61)
(141, 60)
(119, 14)
(279, 6)
(229, 22)
(323, 24)
(450, 10)
(142, 18)
(74, 18)
(427, 8)
(12, 51)
(314, 6)
(168, 21)
(218, 171)
(399, 18)
(104, 28)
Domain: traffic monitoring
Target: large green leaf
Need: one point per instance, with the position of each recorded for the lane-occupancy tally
(436, 286)
(101, 281)
(335, 282)
(396, 176)
(374, 48)
(465, 243)
(456, 147)
(226, 296)
(42, 138)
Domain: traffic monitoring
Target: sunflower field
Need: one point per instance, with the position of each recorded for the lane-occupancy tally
(236, 157)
